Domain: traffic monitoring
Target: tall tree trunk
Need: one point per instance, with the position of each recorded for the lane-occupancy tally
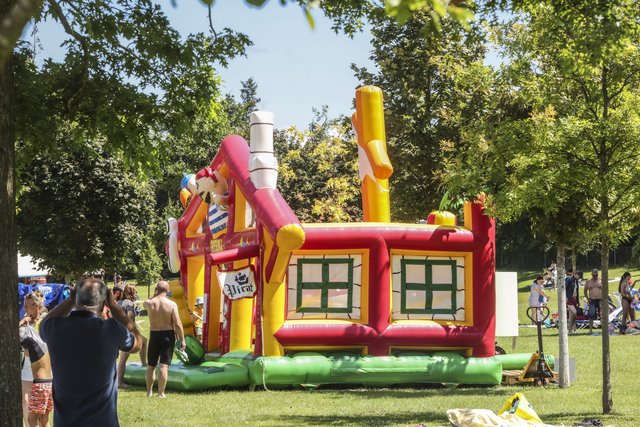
(574, 260)
(607, 396)
(10, 402)
(563, 332)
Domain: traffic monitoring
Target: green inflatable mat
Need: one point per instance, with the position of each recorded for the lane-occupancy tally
(238, 369)
(315, 368)
(208, 375)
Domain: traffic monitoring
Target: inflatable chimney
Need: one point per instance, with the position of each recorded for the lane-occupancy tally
(263, 166)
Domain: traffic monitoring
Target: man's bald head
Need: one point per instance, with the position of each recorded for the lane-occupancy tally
(162, 287)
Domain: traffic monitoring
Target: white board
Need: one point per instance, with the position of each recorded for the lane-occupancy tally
(506, 304)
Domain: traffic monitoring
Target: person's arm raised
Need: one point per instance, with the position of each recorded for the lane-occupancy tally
(64, 308)
(119, 315)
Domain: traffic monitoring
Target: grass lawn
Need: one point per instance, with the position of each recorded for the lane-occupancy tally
(407, 406)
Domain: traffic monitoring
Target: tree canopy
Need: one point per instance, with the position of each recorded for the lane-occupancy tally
(424, 101)
(570, 147)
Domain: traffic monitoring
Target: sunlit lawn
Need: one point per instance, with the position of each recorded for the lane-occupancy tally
(406, 406)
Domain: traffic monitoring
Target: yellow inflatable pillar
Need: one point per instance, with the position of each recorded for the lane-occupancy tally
(241, 310)
(177, 296)
(375, 166)
(195, 279)
(241, 320)
(213, 312)
(273, 307)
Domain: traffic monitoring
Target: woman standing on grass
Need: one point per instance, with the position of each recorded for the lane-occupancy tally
(128, 304)
(628, 311)
(34, 312)
(538, 297)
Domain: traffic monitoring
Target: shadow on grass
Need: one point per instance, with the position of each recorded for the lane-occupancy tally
(438, 418)
(572, 418)
(414, 391)
(401, 418)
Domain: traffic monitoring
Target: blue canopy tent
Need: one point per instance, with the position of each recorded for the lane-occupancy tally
(54, 294)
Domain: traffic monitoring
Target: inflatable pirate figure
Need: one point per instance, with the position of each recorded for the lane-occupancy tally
(212, 188)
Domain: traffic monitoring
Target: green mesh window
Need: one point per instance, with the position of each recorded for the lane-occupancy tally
(325, 285)
(424, 295)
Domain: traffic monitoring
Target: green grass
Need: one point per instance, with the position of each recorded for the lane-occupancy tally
(407, 406)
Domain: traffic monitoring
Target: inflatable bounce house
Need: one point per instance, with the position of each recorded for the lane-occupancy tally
(290, 303)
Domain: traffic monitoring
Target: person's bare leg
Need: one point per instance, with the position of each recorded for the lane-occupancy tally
(572, 313)
(34, 419)
(163, 376)
(44, 420)
(143, 351)
(151, 378)
(26, 389)
(625, 315)
(122, 364)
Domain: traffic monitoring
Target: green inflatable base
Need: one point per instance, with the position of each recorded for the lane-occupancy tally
(239, 369)
(520, 360)
(314, 368)
(207, 375)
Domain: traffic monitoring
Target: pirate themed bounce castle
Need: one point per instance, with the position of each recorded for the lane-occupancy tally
(290, 303)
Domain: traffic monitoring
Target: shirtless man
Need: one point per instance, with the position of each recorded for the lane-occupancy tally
(41, 396)
(164, 324)
(593, 292)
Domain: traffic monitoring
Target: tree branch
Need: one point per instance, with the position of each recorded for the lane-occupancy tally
(587, 96)
(590, 209)
(213, 31)
(624, 84)
(84, 44)
(13, 24)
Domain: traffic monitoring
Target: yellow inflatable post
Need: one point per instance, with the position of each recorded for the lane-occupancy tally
(273, 306)
(375, 166)
(213, 312)
(177, 296)
(241, 310)
(195, 279)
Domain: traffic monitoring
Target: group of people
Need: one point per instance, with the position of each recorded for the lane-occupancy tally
(593, 294)
(71, 351)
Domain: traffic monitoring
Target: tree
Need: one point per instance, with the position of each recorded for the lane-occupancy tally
(84, 212)
(238, 111)
(574, 67)
(127, 80)
(318, 170)
(10, 402)
(417, 71)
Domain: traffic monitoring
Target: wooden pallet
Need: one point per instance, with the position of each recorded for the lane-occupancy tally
(510, 377)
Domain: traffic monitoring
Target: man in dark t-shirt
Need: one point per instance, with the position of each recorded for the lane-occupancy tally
(83, 349)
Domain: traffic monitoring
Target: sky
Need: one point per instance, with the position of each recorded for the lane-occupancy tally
(297, 68)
